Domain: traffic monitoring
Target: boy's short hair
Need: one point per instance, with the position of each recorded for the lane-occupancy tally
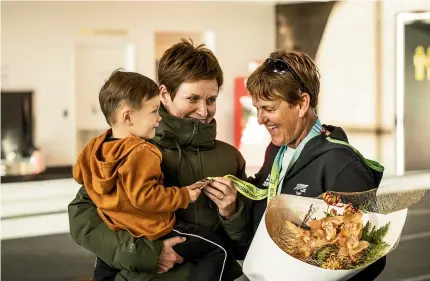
(129, 87)
(183, 62)
(265, 84)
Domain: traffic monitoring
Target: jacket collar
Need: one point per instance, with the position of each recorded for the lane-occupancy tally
(185, 133)
(314, 148)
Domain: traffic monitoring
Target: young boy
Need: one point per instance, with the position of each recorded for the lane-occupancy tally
(121, 172)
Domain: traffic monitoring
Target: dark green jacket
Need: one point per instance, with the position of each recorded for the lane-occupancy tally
(190, 153)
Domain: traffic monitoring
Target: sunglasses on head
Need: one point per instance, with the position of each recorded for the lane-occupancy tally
(282, 67)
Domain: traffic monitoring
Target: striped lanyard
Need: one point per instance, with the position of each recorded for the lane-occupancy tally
(275, 183)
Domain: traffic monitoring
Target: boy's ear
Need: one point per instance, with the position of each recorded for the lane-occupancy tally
(126, 117)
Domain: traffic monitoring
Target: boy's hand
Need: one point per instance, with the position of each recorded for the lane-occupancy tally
(194, 191)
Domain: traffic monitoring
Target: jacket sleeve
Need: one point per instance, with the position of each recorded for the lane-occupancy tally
(142, 184)
(117, 248)
(354, 177)
(238, 227)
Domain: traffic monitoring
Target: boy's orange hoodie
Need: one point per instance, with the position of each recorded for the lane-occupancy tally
(124, 179)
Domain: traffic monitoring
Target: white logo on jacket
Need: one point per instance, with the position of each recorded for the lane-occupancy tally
(267, 181)
(300, 188)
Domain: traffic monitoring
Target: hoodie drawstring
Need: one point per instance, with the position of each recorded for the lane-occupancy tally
(200, 162)
(201, 170)
(178, 167)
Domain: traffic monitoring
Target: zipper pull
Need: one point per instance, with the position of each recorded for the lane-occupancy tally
(195, 129)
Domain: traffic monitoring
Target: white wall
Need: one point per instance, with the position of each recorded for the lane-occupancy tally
(346, 59)
(390, 9)
(38, 41)
(348, 63)
(36, 208)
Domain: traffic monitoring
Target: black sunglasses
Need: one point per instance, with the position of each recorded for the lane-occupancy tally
(282, 67)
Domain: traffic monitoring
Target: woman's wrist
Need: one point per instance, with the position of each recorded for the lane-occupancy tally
(229, 212)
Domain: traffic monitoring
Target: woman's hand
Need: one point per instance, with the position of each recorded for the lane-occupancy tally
(223, 193)
(168, 257)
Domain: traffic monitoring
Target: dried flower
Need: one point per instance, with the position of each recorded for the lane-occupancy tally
(331, 198)
(333, 242)
(351, 246)
(332, 263)
(353, 225)
(333, 213)
(329, 230)
(350, 209)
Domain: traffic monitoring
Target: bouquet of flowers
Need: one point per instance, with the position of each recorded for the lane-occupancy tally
(328, 238)
(336, 241)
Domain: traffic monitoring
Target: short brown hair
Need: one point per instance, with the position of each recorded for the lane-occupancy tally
(183, 62)
(129, 87)
(268, 85)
